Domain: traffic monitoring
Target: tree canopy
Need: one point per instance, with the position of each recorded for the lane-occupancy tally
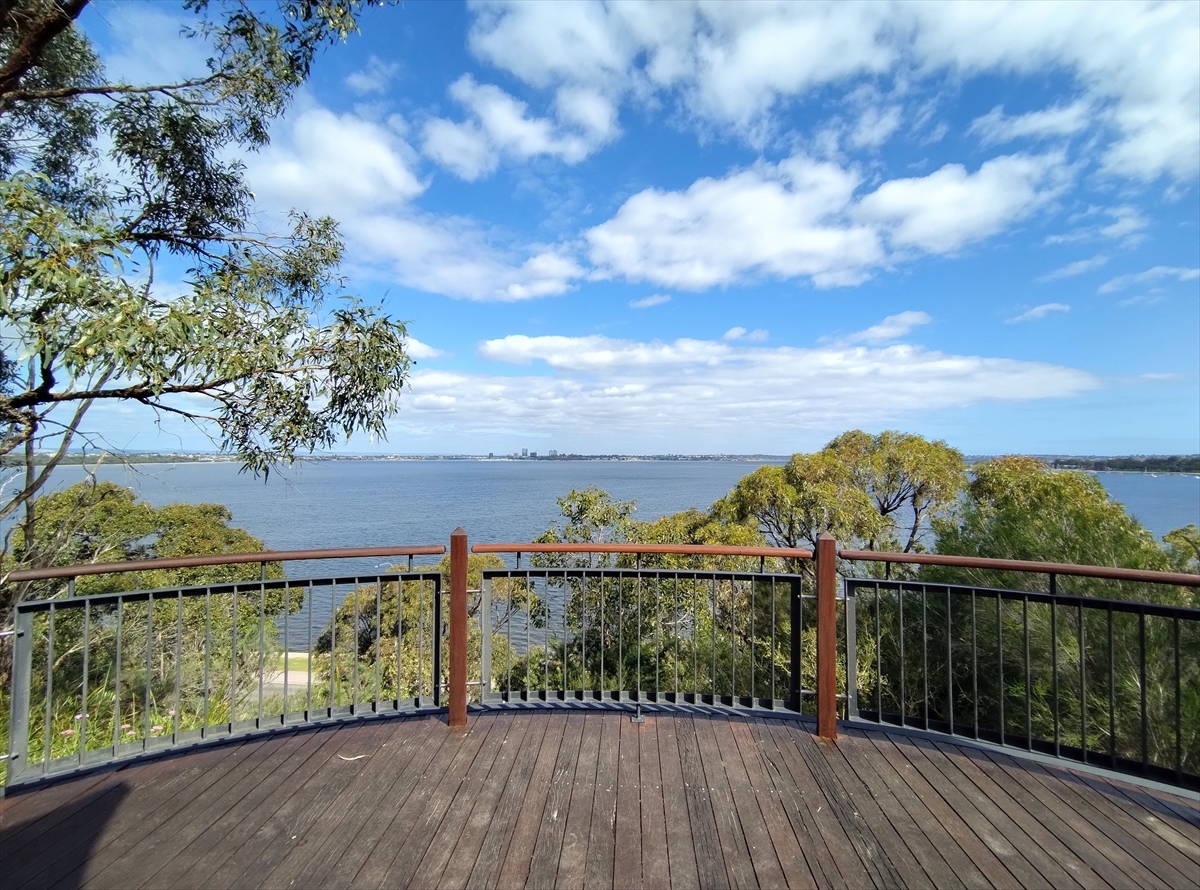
(101, 182)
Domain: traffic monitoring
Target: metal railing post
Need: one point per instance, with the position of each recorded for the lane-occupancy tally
(18, 726)
(458, 629)
(826, 636)
(851, 651)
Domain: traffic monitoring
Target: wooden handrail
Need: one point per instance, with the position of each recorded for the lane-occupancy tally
(672, 549)
(217, 559)
(1111, 573)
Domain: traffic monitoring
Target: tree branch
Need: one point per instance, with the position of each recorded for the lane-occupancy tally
(110, 89)
(26, 53)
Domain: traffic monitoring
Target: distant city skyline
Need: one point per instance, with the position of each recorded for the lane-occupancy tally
(746, 228)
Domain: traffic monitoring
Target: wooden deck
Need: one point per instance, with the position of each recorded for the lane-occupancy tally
(583, 799)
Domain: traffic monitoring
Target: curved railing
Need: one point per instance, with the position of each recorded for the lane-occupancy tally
(1055, 669)
(115, 674)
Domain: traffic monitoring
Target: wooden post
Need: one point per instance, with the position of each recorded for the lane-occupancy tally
(458, 629)
(826, 636)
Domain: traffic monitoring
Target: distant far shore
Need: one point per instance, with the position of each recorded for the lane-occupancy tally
(1170, 463)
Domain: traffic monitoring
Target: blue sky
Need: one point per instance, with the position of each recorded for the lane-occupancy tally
(649, 228)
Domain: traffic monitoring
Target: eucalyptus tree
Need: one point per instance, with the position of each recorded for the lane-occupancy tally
(103, 181)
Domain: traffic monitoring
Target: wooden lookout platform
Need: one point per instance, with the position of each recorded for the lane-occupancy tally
(589, 799)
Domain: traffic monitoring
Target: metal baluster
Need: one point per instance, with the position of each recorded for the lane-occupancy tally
(528, 622)
(150, 662)
(49, 688)
(1178, 707)
(262, 644)
(773, 602)
(675, 625)
(508, 633)
(974, 663)
(620, 635)
(1000, 659)
(117, 680)
(752, 604)
(421, 641)
(83, 708)
(695, 642)
(1028, 680)
(354, 651)
(1054, 666)
(333, 696)
(903, 669)
(714, 639)
(639, 636)
(437, 642)
(178, 665)
(1083, 747)
(232, 663)
(925, 657)
(308, 605)
(583, 615)
(878, 655)
(565, 684)
(287, 664)
(1142, 685)
(603, 639)
(1112, 697)
(732, 642)
(400, 636)
(950, 660)
(378, 636)
(207, 657)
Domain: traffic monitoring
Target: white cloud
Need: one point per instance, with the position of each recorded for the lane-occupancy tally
(342, 165)
(782, 221)
(1156, 274)
(452, 256)
(419, 350)
(647, 302)
(374, 78)
(1061, 120)
(652, 389)
(500, 126)
(891, 328)
(950, 208)
(759, 335)
(875, 126)
(1079, 267)
(1127, 227)
(1039, 312)
(149, 46)
(732, 64)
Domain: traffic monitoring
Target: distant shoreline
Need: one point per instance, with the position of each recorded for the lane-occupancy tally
(1183, 464)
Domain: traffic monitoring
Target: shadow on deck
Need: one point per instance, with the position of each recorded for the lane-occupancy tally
(574, 799)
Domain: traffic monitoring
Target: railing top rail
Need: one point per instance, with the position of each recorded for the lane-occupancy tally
(672, 549)
(1111, 573)
(187, 562)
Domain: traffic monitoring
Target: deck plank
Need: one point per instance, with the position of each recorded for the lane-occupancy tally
(422, 835)
(759, 844)
(577, 797)
(268, 836)
(944, 861)
(627, 862)
(1027, 843)
(517, 856)
(490, 858)
(602, 831)
(710, 864)
(656, 868)
(485, 810)
(572, 860)
(543, 869)
(681, 853)
(385, 784)
(796, 871)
